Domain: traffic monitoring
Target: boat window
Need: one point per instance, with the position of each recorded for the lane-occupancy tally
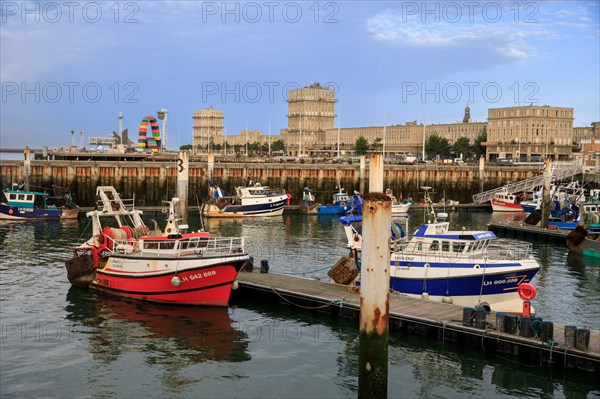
(469, 247)
(446, 246)
(29, 197)
(435, 246)
(12, 197)
(167, 245)
(21, 197)
(458, 246)
(190, 244)
(150, 245)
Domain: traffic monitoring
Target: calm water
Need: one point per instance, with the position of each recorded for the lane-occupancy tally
(61, 341)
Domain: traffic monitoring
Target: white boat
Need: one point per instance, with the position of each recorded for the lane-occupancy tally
(506, 202)
(170, 266)
(467, 268)
(254, 200)
(398, 208)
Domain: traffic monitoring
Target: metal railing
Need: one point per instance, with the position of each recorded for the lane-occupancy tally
(558, 173)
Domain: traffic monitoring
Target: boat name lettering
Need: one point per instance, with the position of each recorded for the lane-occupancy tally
(117, 263)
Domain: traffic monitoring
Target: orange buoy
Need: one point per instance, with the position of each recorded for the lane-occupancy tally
(527, 291)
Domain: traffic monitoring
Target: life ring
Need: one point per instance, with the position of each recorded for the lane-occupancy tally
(10, 211)
(527, 291)
(342, 203)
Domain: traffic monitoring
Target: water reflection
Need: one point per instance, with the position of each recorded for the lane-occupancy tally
(169, 335)
(436, 369)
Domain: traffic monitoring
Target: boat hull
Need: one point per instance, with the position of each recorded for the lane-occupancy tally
(333, 209)
(464, 285)
(398, 209)
(265, 209)
(204, 282)
(504, 206)
(8, 212)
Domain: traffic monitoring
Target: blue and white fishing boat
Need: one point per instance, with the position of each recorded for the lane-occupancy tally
(340, 205)
(254, 200)
(463, 267)
(32, 205)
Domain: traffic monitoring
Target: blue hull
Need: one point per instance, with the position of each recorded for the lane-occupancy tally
(333, 209)
(499, 283)
(258, 209)
(16, 213)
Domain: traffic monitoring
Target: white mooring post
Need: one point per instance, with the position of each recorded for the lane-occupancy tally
(183, 166)
(374, 287)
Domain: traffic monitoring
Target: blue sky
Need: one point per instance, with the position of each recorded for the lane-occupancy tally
(74, 66)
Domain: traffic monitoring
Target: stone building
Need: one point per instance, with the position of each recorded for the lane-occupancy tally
(208, 128)
(525, 131)
(310, 113)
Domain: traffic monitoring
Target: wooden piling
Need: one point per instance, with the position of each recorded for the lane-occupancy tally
(375, 283)
(546, 192)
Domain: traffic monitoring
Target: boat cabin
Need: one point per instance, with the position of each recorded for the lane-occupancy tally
(25, 199)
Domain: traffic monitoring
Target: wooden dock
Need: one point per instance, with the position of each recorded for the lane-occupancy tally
(527, 232)
(432, 319)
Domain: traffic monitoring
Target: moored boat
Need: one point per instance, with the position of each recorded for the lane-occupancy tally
(169, 266)
(340, 204)
(254, 200)
(398, 208)
(462, 267)
(33, 205)
(505, 202)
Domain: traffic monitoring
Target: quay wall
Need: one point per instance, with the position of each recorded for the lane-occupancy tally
(152, 182)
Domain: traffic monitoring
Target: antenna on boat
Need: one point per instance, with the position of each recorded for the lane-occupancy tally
(200, 213)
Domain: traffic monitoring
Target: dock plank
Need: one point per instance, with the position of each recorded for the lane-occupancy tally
(314, 294)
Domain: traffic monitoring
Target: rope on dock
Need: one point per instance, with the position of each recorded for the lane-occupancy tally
(303, 274)
(339, 302)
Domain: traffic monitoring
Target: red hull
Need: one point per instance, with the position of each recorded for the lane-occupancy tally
(206, 285)
(504, 206)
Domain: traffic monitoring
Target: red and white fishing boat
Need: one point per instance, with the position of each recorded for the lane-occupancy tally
(505, 202)
(170, 266)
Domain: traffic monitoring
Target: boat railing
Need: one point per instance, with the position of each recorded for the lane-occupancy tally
(498, 249)
(506, 249)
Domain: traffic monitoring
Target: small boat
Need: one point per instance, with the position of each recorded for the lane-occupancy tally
(340, 205)
(308, 206)
(463, 267)
(398, 208)
(580, 241)
(505, 202)
(170, 266)
(30, 205)
(254, 200)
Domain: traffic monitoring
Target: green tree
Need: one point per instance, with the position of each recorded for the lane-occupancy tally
(185, 147)
(462, 146)
(361, 147)
(278, 145)
(478, 147)
(437, 146)
(377, 144)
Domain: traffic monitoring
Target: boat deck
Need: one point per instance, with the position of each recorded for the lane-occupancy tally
(429, 318)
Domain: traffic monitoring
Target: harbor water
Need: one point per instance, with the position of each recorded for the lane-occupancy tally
(63, 341)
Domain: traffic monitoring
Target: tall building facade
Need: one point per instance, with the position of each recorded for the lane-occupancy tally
(208, 128)
(525, 131)
(404, 139)
(311, 112)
